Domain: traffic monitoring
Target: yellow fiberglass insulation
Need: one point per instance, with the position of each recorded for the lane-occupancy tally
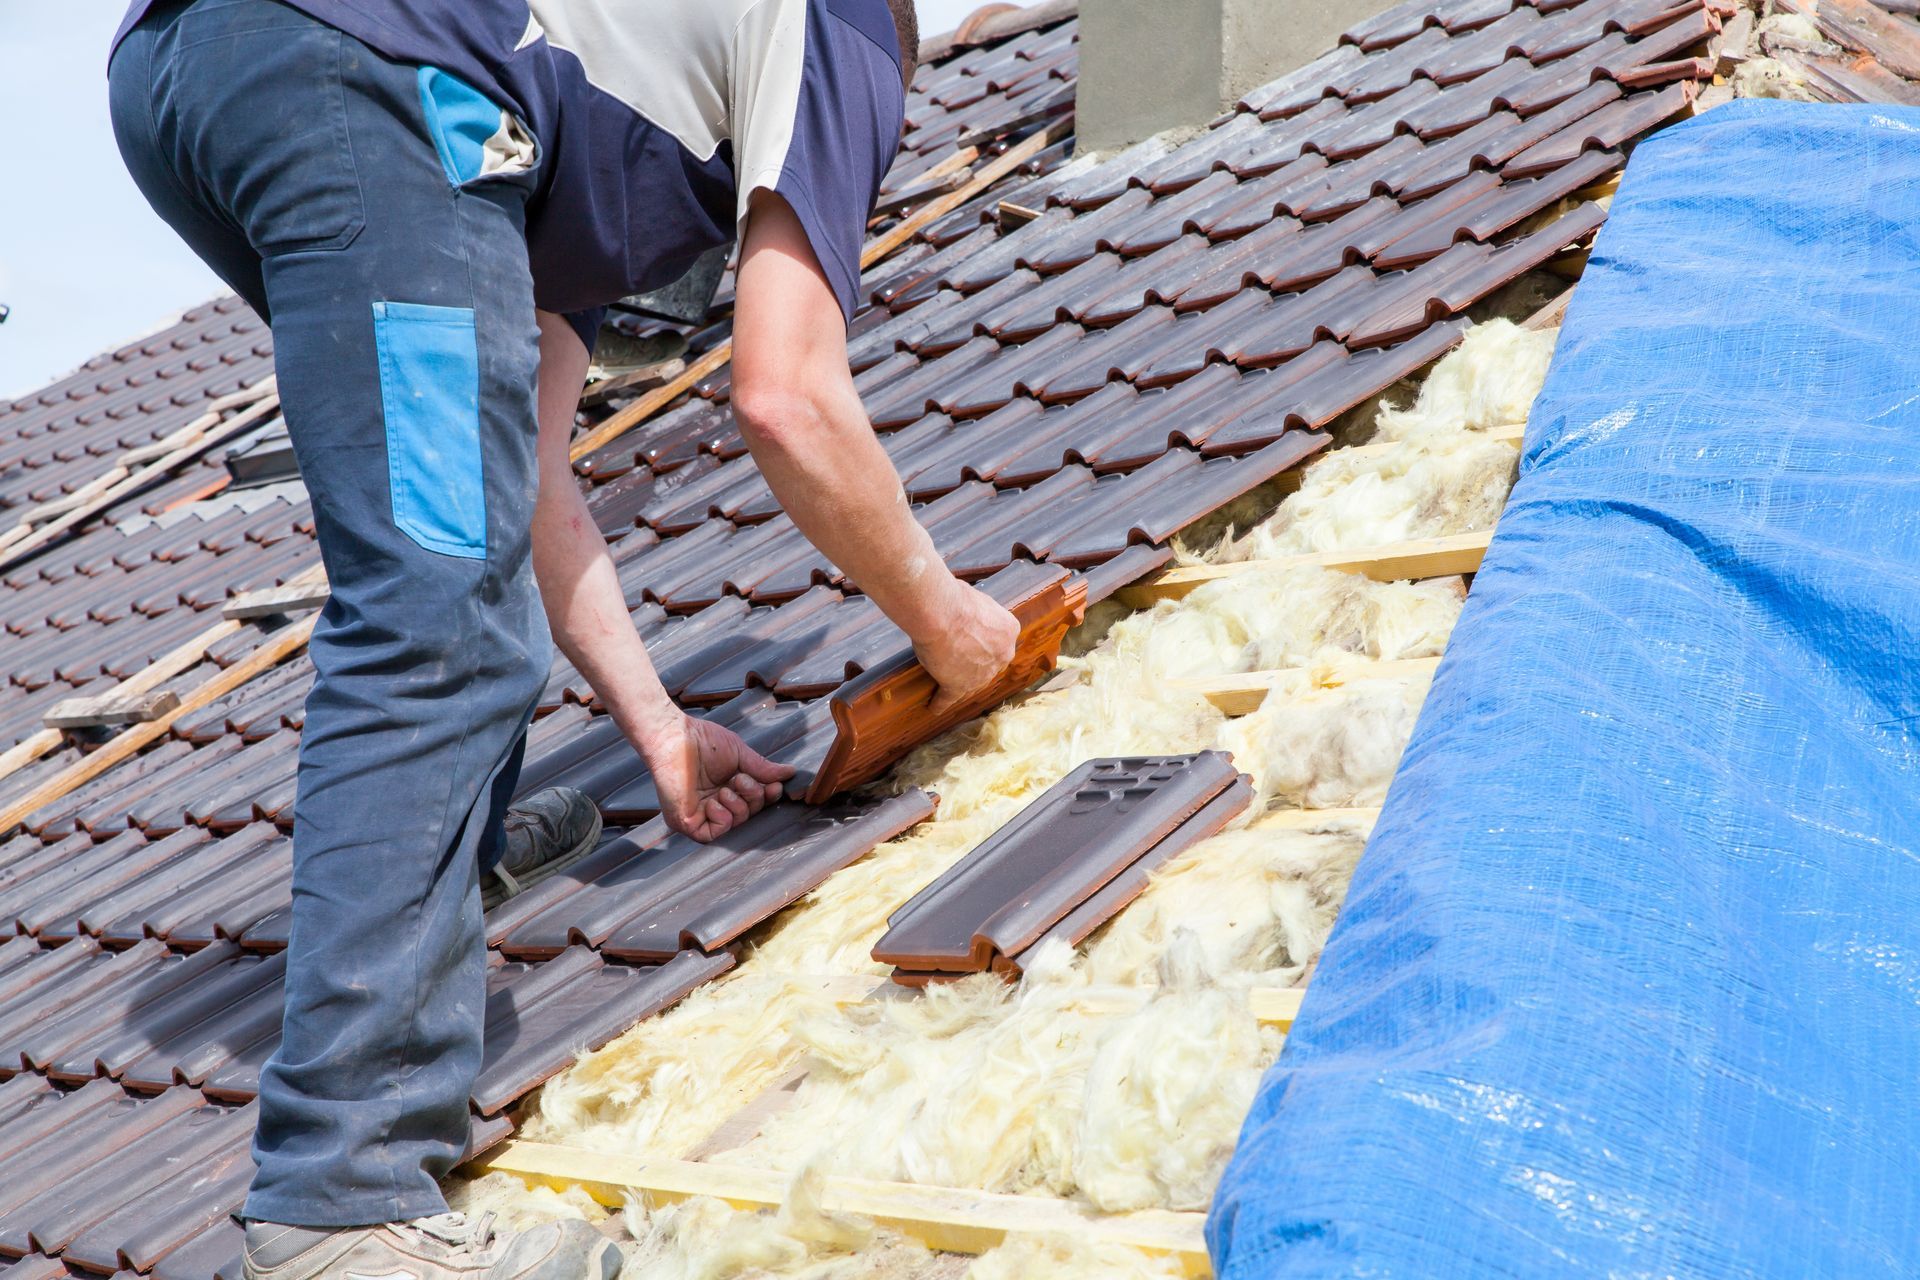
(1430, 472)
(1047, 1086)
(1326, 748)
(707, 1239)
(1063, 1258)
(1771, 78)
(1796, 29)
(1260, 903)
(978, 1086)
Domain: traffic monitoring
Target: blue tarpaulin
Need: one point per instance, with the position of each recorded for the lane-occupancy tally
(1628, 980)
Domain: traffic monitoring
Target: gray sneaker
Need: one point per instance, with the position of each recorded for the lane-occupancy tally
(547, 832)
(447, 1246)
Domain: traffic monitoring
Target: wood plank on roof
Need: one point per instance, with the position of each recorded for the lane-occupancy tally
(112, 708)
(183, 658)
(1245, 692)
(945, 1218)
(281, 644)
(1420, 558)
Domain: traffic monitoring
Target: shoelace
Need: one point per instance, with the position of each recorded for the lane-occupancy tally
(505, 877)
(453, 1228)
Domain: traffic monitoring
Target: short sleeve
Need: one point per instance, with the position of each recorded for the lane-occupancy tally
(587, 325)
(846, 126)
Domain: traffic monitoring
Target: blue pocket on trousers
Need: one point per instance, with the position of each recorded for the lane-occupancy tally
(430, 397)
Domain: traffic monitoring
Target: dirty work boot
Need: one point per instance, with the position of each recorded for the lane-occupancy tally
(548, 831)
(446, 1246)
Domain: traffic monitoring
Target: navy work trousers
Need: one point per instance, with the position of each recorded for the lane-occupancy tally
(306, 170)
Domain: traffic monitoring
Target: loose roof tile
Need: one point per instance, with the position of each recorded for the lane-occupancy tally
(1108, 823)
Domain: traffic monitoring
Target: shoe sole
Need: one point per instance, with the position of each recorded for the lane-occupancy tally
(496, 893)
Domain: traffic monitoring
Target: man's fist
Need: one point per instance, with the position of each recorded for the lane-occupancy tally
(709, 780)
(971, 650)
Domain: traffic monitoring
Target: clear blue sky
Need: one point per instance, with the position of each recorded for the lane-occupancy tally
(84, 264)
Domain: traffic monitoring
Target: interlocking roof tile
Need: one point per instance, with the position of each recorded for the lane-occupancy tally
(541, 1017)
(1044, 872)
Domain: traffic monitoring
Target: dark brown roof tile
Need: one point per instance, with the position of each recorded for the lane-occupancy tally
(213, 1252)
(1320, 250)
(1494, 208)
(1162, 222)
(1112, 897)
(1391, 26)
(1098, 820)
(1150, 505)
(1605, 129)
(547, 1015)
(195, 1195)
(1103, 355)
(720, 892)
(1241, 136)
(33, 1193)
(1669, 41)
(1011, 370)
(1144, 282)
(1347, 185)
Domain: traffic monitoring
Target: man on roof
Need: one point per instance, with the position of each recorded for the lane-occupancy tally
(431, 201)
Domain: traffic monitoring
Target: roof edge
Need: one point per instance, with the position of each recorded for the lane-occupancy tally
(994, 22)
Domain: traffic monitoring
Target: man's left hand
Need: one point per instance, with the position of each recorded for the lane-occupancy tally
(709, 780)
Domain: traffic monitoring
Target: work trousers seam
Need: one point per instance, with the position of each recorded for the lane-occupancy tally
(435, 869)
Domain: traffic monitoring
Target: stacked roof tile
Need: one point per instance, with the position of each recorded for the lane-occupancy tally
(1862, 50)
(1066, 370)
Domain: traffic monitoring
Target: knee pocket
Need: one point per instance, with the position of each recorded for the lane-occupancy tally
(430, 402)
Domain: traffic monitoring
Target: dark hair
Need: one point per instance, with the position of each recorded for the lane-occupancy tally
(906, 23)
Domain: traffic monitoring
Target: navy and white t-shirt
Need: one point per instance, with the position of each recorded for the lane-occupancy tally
(656, 120)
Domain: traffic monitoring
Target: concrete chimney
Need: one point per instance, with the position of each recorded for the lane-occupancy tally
(1147, 66)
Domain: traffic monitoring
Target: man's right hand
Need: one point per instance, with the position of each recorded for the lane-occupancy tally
(794, 400)
(974, 644)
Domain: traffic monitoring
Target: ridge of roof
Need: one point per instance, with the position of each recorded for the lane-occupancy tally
(994, 22)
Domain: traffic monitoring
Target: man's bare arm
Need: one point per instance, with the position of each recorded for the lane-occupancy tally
(795, 402)
(709, 780)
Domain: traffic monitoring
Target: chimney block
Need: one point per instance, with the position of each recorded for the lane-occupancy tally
(1147, 66)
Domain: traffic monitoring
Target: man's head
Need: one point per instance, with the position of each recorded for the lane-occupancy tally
(907, 24)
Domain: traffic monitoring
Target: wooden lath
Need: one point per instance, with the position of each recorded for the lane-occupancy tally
(1420, 558)
(276, 647)
(1244, 692)
(943, 1218)
(135, 470)
(1275, 1006)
